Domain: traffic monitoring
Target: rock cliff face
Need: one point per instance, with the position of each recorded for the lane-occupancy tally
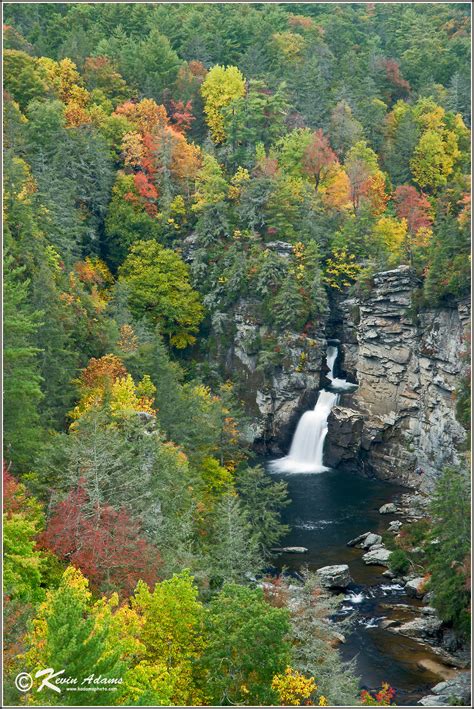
(278, 376)
(407, 365)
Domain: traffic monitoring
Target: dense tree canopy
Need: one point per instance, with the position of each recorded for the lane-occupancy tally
(164, 163)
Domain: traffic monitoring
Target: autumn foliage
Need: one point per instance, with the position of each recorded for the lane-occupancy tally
(105, 543)
(383, 698)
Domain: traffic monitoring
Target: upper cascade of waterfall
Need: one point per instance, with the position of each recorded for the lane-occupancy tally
(336, 383)
(307, 446)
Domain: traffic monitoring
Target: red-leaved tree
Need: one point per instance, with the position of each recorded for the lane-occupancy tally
(318, 156)
(182, 115)
(104, 543)
(414, 207)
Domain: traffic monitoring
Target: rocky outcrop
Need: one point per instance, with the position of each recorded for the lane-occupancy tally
(344, 436)
(333, 577)
(278, 376)
(407, 365)
(455, 691)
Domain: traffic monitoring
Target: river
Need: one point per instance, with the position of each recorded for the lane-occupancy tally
(327, 510)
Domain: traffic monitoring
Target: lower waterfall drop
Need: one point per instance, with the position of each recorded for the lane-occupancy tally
(307, 446)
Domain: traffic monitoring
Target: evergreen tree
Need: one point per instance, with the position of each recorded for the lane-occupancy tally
(263, 500)
(246, 647)
(21, 376)
(69, 635)
(448, 556)
(312, 646)
(234, 554)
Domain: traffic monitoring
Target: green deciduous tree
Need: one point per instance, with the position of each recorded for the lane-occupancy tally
(24, 78)
(159, 288)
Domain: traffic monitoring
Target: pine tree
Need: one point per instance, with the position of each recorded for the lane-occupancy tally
(263, 500)
(21, 378)
(69, 633)
(449, 556)
(234, 554)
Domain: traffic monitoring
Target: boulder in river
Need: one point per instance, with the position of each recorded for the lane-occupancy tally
(365, 541)
(357, 540)
(336, 576)
(292, 550)
(378, 556)
(422, 628)
(414, 587)
(388, 508)
(371, 540)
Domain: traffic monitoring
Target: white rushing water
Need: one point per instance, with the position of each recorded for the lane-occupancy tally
(307, 446)
(339, 384)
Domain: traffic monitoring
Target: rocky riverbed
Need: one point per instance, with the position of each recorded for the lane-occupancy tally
(396, 636)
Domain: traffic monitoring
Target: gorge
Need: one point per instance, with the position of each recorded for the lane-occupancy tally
(407, 364)
(236, 334)
(376, 427)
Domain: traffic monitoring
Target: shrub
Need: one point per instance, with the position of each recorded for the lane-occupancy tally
(399, 562)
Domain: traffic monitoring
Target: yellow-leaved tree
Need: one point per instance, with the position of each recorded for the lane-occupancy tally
(389, 235)
(221, 86)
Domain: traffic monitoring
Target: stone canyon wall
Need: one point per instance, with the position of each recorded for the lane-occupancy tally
(401, 422)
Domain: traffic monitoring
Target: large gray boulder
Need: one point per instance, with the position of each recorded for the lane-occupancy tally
(370, 540)
(357, 540)
(422, 628)
(379, 556)
(336, 576)
(365, 541)
(388, 509)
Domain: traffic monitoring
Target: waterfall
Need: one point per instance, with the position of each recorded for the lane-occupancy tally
(336, 383)
(307, 446)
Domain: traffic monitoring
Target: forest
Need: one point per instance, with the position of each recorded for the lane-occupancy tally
(156, 158)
